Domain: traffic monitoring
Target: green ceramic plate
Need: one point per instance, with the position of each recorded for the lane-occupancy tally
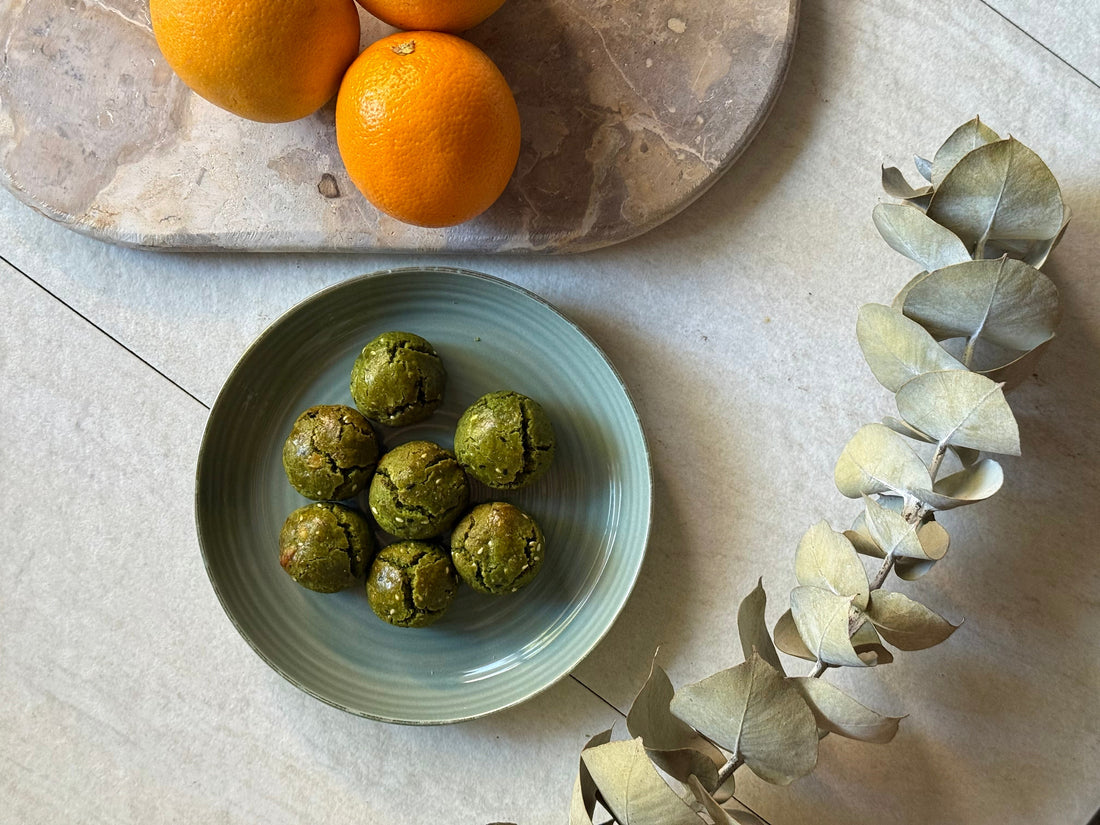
(487, 653)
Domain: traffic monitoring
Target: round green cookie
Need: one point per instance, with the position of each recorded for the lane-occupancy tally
(411, 583)
(325, 546)
(398, 379)
(497, 548)
(505, 440)
(330, 452)
(418, 490)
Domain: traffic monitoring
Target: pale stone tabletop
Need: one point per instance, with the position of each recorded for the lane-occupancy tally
(126, 696)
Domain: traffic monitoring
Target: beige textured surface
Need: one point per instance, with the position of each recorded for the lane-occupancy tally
(629, 112)
(733, 327)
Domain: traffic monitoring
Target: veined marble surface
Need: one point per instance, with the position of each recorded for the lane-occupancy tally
(630, 110)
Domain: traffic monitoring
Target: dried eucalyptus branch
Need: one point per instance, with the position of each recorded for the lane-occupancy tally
(958, 335)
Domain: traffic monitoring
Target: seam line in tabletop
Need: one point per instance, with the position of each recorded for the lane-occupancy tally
(1036, 40)
(96, 326)
(590, 690)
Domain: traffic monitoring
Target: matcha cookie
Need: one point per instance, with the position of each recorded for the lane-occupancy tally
(397, 379)
(325, 546)
(411, 583)
(418, 491)
(330, 453)
(497, 548)
(505, 440)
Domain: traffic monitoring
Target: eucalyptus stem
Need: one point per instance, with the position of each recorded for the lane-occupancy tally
(937, 460)
(727, 770)
(883, 571)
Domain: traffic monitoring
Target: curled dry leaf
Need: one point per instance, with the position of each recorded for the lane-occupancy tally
(837, 712)
(966, 456)
(1015, 372)
(671, 743)
(898, 349)
(892, 532)
(1005, 302)
(752, 627)
(934, 539)
(823, 621)
(905, 623)
(878, 460)
(721, 815)
(960, 143)
(788, 639)
(826, 559)
(631, 789)
(923, 166)
(896, 186)
(1000, 191)
(916, 236)
(583, 802)
(753, 711)
(962, 408)
(968, 486)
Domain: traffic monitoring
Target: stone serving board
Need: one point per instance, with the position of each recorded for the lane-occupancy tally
(630, 110)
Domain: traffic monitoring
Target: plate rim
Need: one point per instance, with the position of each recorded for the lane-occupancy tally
(271, 329)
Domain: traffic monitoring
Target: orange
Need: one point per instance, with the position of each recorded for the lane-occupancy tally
(262, 60)
(435, 15)
(427, 128)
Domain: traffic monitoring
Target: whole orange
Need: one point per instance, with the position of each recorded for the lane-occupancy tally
(262, 60)
(447, 16)
(427, 128)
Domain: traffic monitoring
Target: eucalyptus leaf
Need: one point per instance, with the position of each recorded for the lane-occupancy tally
(865, 635)
(874, 654)
(905, 623)
(935, 538)
(962, 408)
(684, 763)
(650, 719)
(916, 236)
(788, 640)
(965, 455)
(864, 544)
(756, 713)
(1032, 252)
(931, 534)
(745, 818)
(892, 531)
(822, 619)
(1005, 302)
(878, 460)
(720, 815)
(968, 486)
(673, 745)
(1037, 253)
(1019, 370)
(896, 348)
(716, 811)
(924, 167)
(996, 192)
(899, 299)
(826, 559)
(583, 803)
(896, 186)
(962, 141)
(752, 627)
(837, 712)
(631, 789)
(912, 569)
